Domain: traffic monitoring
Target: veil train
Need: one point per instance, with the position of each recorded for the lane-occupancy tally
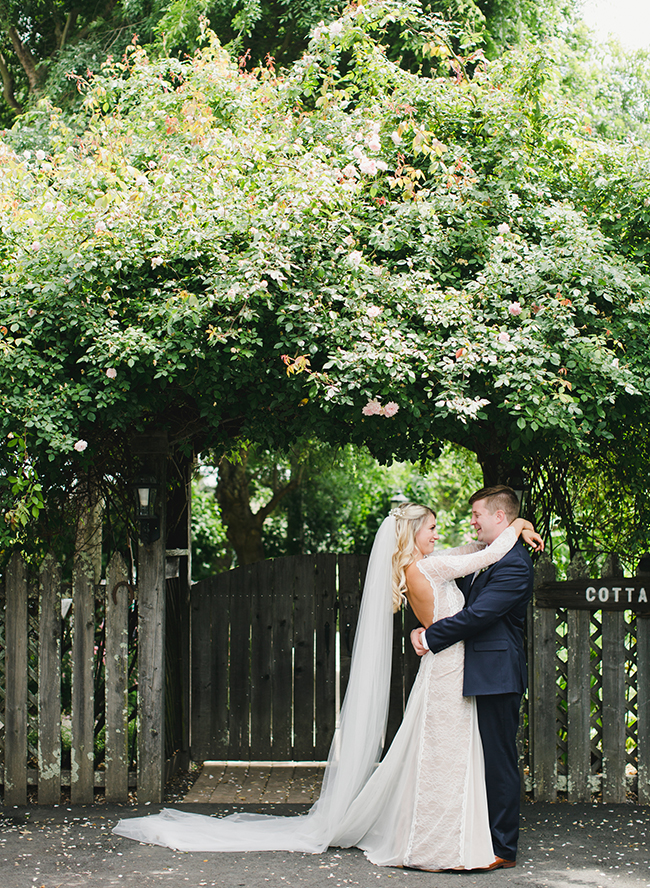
(354, 753)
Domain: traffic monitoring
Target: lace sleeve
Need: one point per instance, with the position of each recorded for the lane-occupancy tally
(467, 549)
(446, 566)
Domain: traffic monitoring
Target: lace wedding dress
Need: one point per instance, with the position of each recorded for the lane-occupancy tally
(424, 805)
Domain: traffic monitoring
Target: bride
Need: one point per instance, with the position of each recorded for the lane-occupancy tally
(424, 805)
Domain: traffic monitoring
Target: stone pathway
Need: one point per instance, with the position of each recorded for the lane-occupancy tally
(228, 783)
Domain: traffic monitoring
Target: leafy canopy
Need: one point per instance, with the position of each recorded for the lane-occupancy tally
(239, 255)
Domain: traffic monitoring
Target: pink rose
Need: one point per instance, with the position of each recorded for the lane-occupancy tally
(515, 308)
(80, 445)
(111, 372)
(503, 337)
(372, 408)
(368, 166)
(373, 311)
(391, 408)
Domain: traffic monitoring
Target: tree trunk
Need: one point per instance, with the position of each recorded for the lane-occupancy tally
(26, 59)
(494, 469)
(243, 526)
(8, 86)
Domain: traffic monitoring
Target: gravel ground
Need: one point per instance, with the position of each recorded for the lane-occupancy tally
(562, 846)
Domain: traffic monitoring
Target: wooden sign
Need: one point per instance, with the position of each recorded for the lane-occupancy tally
(607, 593)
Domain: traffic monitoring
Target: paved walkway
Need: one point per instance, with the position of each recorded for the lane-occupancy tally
(562, 845)
(223, 783)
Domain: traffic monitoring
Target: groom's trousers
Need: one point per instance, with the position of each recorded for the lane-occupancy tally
(498, 719)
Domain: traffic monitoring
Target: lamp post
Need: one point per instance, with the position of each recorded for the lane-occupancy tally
(520, 485)
(398, 499)
(147, 494)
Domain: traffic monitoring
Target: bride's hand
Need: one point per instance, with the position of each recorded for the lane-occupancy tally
(533, 539)
(418, 647)
(527, 532)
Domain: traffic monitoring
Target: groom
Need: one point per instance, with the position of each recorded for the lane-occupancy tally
(492, 625)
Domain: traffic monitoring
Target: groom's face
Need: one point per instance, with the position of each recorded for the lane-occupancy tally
(487, 524)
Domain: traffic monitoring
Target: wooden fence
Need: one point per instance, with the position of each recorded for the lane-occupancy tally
(70, 688)
(588, 731)
(264, 676)
(264, 679)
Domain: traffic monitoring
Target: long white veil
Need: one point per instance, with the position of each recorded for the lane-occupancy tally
(356, 747)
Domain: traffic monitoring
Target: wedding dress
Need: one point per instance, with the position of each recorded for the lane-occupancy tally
(424, 805)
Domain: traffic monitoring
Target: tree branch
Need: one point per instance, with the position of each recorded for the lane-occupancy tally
(69, 24)
(266, 510)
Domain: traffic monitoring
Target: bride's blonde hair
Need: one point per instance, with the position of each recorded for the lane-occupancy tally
(409, 518)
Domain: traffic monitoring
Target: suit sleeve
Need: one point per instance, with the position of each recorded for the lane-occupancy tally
(508, 587)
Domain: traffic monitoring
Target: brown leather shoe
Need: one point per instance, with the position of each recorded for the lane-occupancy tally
(499, 863)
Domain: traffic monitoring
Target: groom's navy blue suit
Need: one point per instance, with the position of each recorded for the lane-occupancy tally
(492, 625)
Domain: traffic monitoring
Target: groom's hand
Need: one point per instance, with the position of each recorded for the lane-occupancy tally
(418, 647)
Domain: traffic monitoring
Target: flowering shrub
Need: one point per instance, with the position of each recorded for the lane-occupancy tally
(264, 257)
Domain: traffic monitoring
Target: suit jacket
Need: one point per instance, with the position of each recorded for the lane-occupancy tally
(492, 626)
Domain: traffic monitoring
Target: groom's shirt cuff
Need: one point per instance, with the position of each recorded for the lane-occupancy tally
(423, 639)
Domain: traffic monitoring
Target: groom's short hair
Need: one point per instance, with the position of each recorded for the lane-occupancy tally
(499, 497)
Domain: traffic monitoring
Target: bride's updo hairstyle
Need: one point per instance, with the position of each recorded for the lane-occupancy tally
(409, 518)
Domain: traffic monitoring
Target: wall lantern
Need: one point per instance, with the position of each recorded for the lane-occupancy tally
(519, 484)
(147, 494)
(398, 499)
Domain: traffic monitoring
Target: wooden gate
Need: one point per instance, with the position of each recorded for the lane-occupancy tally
(264, 657)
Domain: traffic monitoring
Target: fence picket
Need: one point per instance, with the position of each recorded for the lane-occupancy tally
(543, 685)
(613, 718)
(325, 663)
(643, 708)
(203, 708)
(239, 665)
(303, 667)
(282, 688)
(15, 777)
(152, 601)
(352, 571)
(49, 684)
(578, 707)
(83, 690)
(261, 579)
(116, 680)
(578, 696)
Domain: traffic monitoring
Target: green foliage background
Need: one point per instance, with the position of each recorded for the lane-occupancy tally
(246, 255)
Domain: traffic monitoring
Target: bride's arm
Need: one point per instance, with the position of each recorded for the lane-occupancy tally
(466, 549)
(529, 535)
(450, 567)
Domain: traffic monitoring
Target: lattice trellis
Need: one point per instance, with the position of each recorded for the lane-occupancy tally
(596, 724)
(631, 692)
(561, 655)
